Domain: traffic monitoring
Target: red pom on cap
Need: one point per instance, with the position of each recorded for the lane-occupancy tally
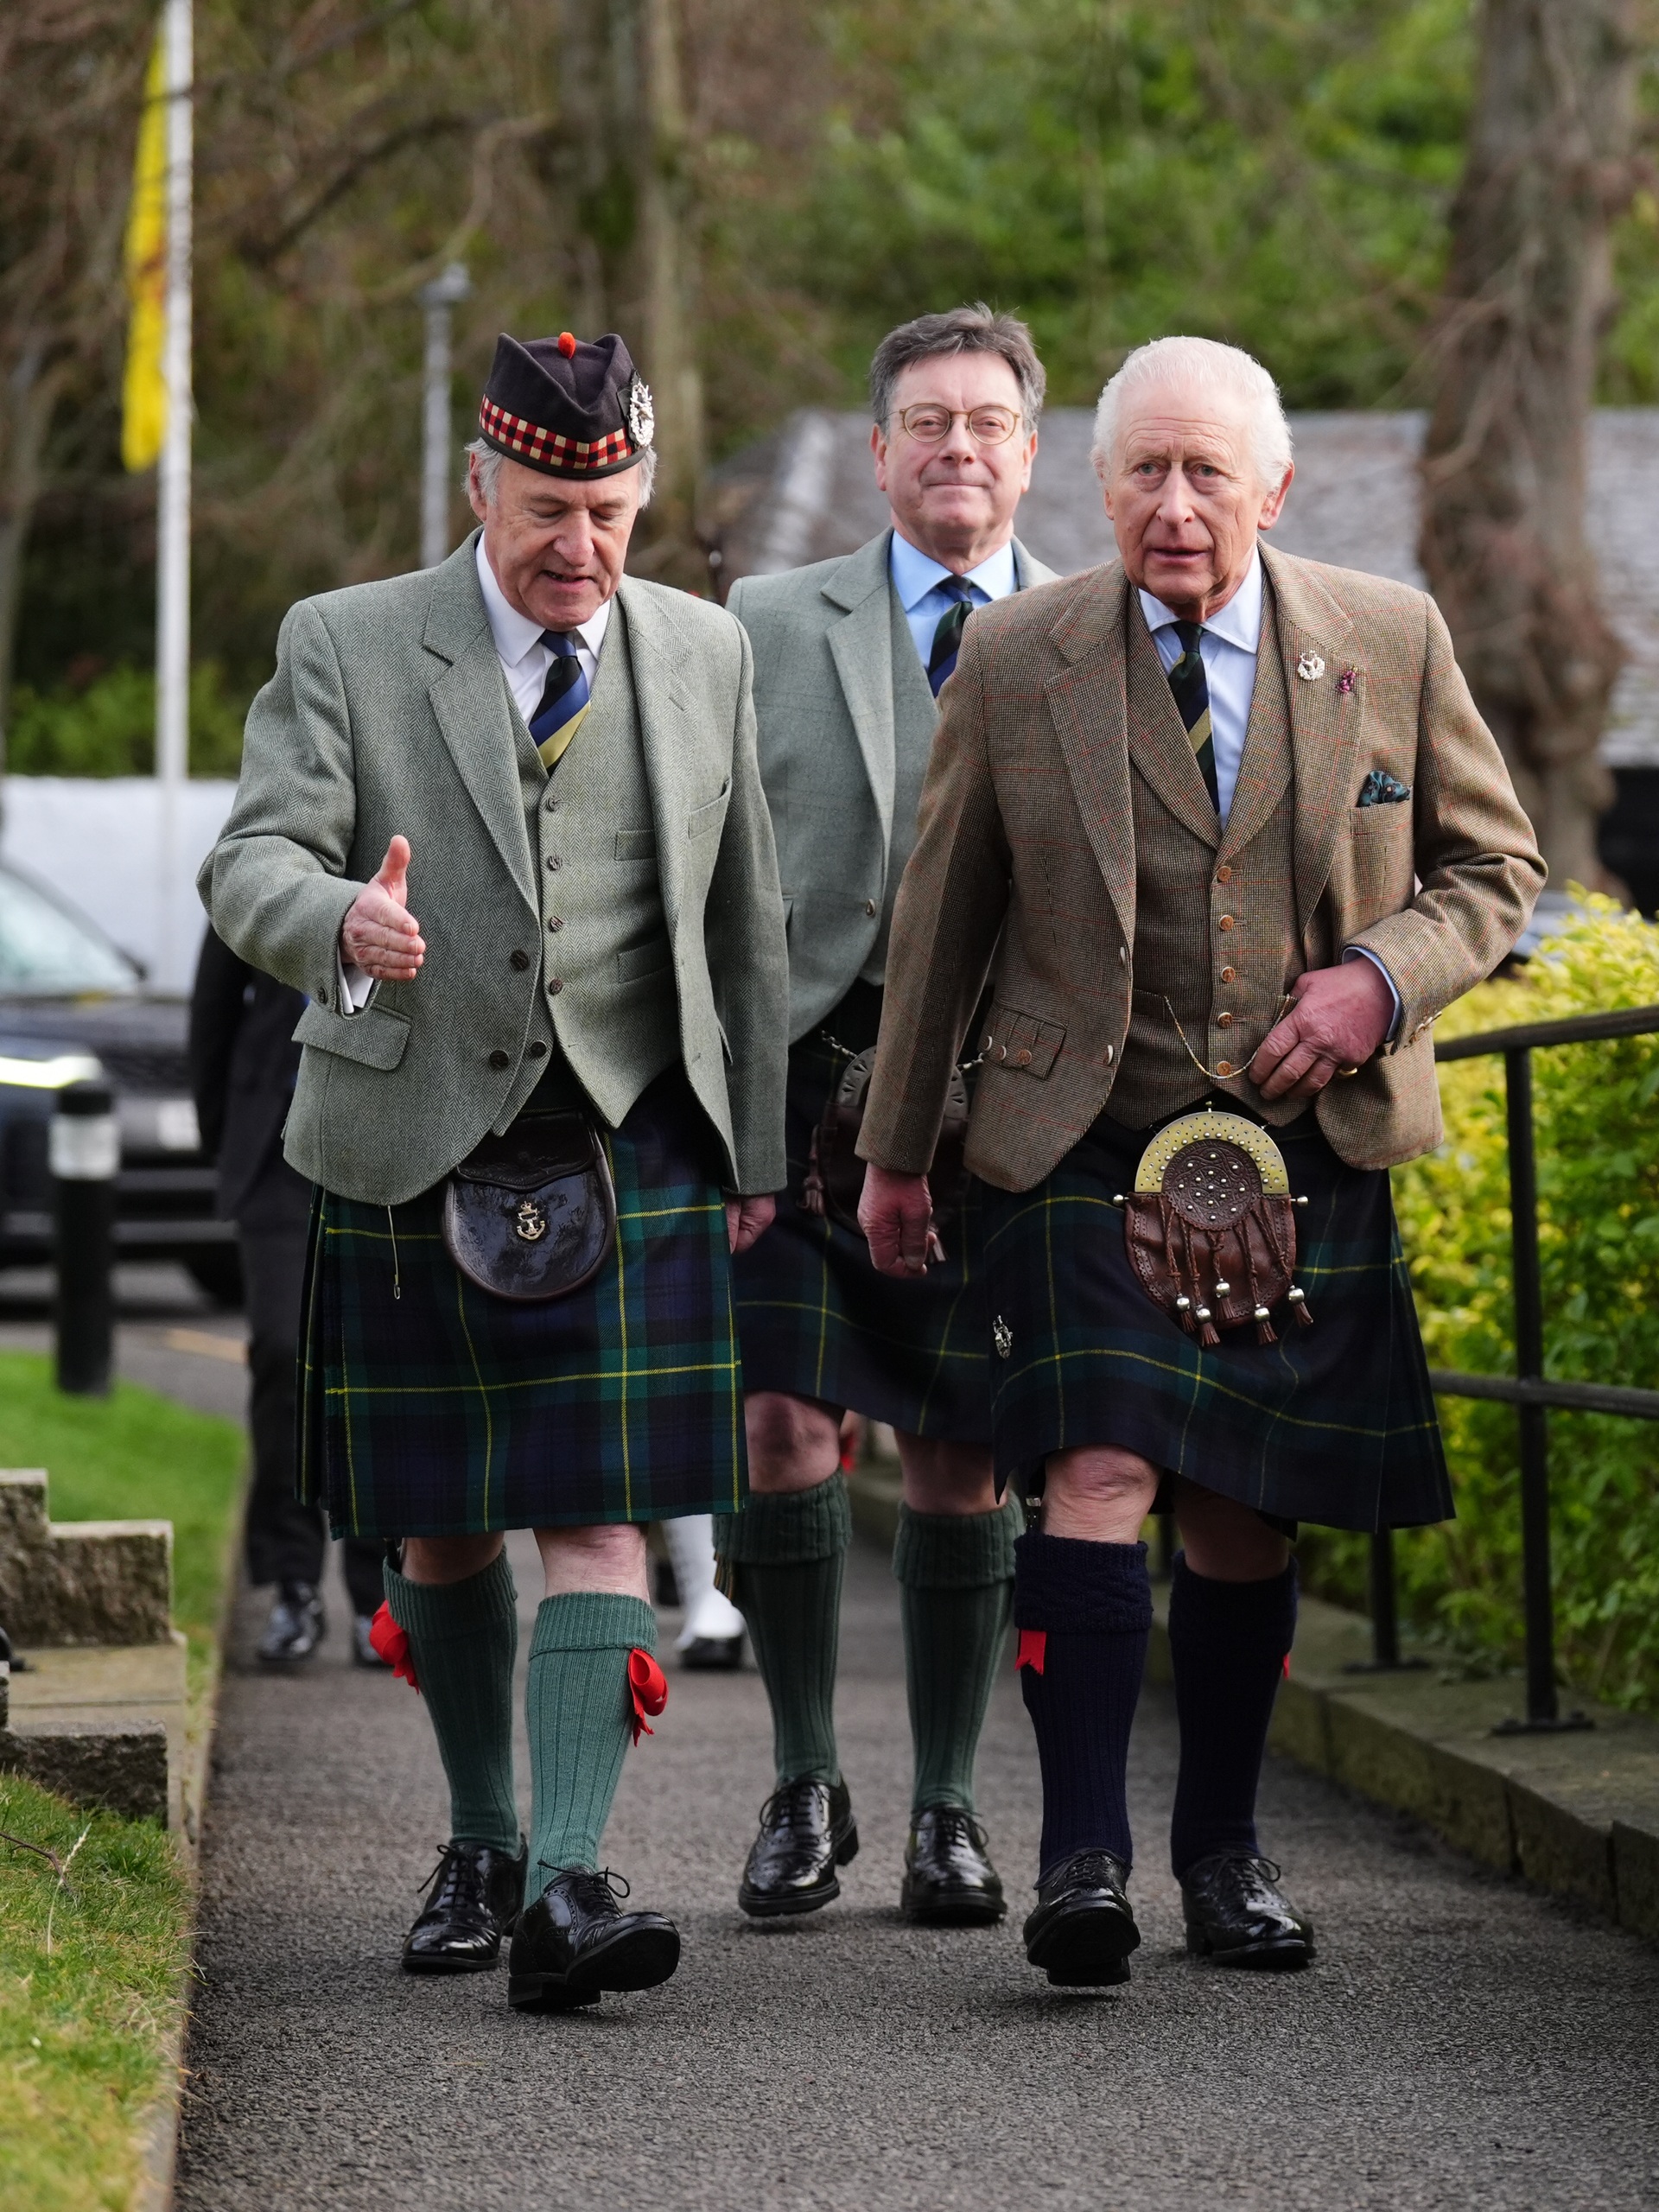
(567, 344)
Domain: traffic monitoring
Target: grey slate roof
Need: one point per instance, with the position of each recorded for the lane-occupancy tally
(808, 494)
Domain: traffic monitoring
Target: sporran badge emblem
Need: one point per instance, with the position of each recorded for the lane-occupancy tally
(530, 1223)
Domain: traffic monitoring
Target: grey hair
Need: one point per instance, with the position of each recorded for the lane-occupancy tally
(489, 470)
(962, 330)
(1202, 366)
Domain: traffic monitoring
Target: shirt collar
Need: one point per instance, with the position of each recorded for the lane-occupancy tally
(515, 633)
(915, 574)
(1239, 622)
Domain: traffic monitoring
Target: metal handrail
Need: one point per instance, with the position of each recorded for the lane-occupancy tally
(1530, 1391)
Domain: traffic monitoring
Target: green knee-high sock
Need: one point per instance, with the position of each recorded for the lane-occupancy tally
(956, 1578)
(465, 1639)
(786, 1552)
(579, 1713)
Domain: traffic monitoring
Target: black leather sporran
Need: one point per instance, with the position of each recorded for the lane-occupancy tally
(532, 1215)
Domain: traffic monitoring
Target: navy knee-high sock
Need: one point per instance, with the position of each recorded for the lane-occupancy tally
(1084, 1611)
(1228, 1643)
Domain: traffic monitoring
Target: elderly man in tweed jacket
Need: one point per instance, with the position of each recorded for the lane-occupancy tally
(558, 763)
(1227, 833)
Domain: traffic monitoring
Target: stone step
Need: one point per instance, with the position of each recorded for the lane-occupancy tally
(101, 1727)
(80, 1582)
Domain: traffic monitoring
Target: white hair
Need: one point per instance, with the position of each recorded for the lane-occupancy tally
(1201, 365)
(489, 470)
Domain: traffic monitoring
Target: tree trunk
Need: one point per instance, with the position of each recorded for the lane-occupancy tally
(28, 399)
(623, 123)
(1527, 293)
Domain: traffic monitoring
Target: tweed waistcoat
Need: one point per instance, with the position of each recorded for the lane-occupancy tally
(1216, 935)
(608, 967)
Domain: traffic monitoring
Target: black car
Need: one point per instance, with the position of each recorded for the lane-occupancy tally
(74, 1005)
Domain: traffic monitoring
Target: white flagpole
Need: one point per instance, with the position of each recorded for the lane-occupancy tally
(173, 503)
(438, 298)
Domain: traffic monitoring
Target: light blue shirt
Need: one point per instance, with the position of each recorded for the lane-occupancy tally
(1228, 645)
(916, 578)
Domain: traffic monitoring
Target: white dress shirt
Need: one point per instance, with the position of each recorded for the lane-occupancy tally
(524, 662)
(916, 578)
(1228, 645)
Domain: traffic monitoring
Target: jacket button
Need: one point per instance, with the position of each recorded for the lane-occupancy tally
(986, 1042)
(869, 906)
(1000, 1054)
(539, 1052)
(554, 865)
(1022, 1058)
(1122, 956)
(519, 960)
(554, 985)
(1224, 874)
(556, 923)
(1225, 923)
(497, 1060)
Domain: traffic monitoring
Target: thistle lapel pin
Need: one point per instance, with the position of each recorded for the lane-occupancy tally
(1345, 681)
(1309, 668)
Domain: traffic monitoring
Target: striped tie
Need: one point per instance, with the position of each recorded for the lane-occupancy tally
(564, 700)
(1191, 689)
(947, 638)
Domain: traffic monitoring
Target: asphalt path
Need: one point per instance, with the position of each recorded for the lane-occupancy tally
(1460, 2041)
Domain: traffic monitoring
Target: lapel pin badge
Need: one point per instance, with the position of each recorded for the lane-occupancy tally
(1309, 668)
(1345, 681)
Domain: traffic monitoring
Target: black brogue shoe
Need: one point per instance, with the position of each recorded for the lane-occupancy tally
(576, 1941)
(473, 1900)
(807, 1830)
(295, 1626)
(1083, 1931)
(713, 1654)
(949, 1881)
(1237, 1915)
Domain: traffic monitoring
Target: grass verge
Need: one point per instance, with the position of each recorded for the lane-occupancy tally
(92, 1959)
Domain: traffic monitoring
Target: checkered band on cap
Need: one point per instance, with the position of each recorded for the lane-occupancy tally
(546, 448)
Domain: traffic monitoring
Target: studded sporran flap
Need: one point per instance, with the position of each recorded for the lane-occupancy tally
(1210, 1227)
(532, 1215)
(835, 1178)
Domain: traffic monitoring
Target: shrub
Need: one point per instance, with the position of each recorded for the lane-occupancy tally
(107, 727)
(1598, 1147)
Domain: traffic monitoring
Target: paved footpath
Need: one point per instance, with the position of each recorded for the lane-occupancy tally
(1461, 2042)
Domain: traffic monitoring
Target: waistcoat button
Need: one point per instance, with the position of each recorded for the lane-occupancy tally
(1223, 1067)
(538, 1052)
(554, 985)
(869, 906)
(1224, 1021)
(556, 922)
(1230, 974)
(497, 1060)
(1122, 956)
(554, 864)
(1109, 1056)
(519, 960)
(1225, 923)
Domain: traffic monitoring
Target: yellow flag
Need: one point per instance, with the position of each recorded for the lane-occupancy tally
(144, 393)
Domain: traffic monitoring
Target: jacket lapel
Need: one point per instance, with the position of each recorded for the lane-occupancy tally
(1264, 768)
(671, 727)
(473, 709)
(1324, 718)
(1088, 706)
(862, 648)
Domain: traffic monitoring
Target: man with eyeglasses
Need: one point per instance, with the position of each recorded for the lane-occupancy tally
(850, 657)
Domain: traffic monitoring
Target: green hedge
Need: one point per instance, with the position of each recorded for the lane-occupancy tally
(107, 727)
(1598, 1145)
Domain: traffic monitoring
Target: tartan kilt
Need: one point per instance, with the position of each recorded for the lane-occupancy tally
(816, 1320)
(443, 1411)
(1335, 1424)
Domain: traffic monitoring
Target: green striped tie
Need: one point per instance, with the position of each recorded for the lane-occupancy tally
(1191, 689)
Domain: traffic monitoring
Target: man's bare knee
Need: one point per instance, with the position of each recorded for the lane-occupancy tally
(1225, 1541)
(448, 1558)
(1099, 1492)
(794, 1443)
(943, 1477)
(609, 1557)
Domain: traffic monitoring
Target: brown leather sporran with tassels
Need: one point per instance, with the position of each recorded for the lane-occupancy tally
(1210, 1227)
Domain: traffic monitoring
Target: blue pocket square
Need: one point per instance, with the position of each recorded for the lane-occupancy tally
(1381, 789)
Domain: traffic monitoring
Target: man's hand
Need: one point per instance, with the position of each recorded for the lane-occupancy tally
(380, 935)
(1340, 1017)
(896, 1214)
(745, 1218)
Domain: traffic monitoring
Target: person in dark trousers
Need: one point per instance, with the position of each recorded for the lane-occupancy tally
(243, 1065)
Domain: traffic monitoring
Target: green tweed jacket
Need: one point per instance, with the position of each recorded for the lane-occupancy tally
(389, 713)
(1028, 854)
(834, 702)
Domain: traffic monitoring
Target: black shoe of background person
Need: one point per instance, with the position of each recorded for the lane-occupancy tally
(363, 1651)
(296, 1624)
(807, 1830)
(713, 1654)
(949, 1881)
(576, 1941)
(1083, 1931)
(1237, 1915)
(473, 1900)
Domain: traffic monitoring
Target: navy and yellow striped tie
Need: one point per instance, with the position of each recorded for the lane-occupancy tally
(1191, 689)
(564, 700)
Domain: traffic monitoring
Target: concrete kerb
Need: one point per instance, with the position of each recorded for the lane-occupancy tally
(1577, 1813)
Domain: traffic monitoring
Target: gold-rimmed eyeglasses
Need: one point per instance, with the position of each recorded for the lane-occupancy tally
(929, 424)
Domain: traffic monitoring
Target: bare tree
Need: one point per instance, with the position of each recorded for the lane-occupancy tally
(1527, 296)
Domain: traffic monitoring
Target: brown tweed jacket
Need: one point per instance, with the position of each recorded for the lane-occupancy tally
(1027, 858)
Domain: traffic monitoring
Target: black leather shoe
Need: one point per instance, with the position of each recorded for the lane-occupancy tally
(713, 1654)
(807, 1830)
(473, 1900)
(1082, 1931)
(296, 1624)
(363, 1651)
(949, 1881)
(1237, 1915)
(574, 1942)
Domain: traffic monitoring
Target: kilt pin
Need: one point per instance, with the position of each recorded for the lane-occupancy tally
(1148, 831)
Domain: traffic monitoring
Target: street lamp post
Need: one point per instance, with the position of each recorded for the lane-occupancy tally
(439, 298)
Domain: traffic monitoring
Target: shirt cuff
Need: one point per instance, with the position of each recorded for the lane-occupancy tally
(355, 986)
(1364, 952)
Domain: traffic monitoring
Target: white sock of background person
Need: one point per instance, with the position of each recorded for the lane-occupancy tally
(690, 1541)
